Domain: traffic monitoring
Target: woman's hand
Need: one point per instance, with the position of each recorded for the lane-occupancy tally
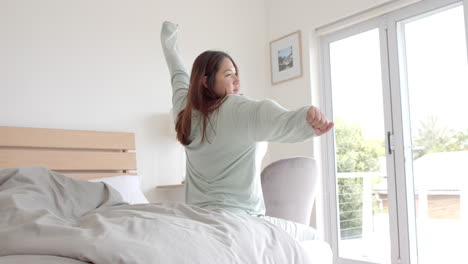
(169, 35)
(318, 121)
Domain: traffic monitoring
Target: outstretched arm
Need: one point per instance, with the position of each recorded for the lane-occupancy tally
(180, 78)
(266, 120)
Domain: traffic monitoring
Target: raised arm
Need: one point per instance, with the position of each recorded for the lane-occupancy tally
(180, 78)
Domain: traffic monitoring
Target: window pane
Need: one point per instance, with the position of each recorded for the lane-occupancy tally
(437, 89)
(360, 152)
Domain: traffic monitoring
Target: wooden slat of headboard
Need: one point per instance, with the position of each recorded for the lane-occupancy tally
(61, 138)
(68, 160)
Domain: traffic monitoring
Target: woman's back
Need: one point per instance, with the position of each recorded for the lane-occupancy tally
(223, 170)
(221, 129)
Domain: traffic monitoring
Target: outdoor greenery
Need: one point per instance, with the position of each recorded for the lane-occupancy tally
(432, 136)
(354, 154)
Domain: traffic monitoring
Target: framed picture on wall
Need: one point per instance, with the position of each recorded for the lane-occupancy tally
(286, 58)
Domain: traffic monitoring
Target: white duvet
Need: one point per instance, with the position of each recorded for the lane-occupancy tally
(47, 214)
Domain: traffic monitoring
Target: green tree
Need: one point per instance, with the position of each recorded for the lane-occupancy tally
(353, 154)
(432, 136)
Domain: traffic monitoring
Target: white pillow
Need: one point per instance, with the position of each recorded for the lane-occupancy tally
(128, 186)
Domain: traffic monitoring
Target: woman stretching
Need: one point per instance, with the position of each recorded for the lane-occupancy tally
(221, 129)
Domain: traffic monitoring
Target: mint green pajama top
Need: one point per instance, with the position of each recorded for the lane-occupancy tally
(223, 170)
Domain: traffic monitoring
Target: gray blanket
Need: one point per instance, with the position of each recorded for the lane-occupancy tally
(46, 213)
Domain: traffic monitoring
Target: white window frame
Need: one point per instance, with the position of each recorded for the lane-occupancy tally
(402, 220)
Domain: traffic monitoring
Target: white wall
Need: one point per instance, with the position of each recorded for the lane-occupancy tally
(98, 65)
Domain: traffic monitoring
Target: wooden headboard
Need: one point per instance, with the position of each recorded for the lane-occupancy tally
(76, 153)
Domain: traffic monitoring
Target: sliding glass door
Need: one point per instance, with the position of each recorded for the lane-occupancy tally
(396, 87)
(362, 214)
(435, 89)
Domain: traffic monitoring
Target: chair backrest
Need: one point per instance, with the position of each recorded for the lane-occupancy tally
(289, 188)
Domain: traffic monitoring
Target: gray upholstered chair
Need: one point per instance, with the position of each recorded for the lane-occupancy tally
(289, 188)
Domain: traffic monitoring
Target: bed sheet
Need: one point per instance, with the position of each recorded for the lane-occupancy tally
(316, 251)
(46, 213)
(37, 259)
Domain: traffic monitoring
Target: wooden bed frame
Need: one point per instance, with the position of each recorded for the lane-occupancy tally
(75, 153)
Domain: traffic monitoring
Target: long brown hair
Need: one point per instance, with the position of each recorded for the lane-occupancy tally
(201, 98)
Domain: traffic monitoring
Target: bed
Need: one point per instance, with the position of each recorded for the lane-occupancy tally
(72, 196)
